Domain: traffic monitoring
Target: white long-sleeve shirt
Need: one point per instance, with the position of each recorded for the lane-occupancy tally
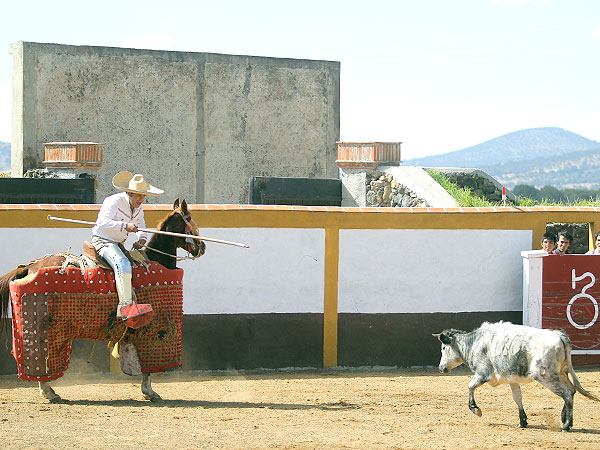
(113, 217)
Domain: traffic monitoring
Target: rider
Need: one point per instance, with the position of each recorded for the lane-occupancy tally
(121, 214)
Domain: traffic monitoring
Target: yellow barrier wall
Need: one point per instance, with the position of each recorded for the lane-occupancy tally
(330, 219)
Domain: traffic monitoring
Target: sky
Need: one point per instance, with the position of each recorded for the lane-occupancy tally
(436, 75)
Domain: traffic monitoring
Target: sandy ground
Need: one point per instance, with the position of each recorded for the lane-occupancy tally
(325, 409)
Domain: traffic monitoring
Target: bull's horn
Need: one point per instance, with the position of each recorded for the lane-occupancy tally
(437, 335)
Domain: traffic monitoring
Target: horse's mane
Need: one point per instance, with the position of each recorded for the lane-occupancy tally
(163, 243)
(162, 224)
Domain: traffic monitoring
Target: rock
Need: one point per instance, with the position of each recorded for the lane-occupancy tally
(371, 198)
(387, 190)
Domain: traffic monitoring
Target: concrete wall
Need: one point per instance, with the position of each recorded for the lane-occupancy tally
(196, 124)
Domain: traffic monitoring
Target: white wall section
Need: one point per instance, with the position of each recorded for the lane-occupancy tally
(380, 271)
(424, 271)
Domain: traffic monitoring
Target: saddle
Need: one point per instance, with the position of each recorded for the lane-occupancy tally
(90, 253)
(134, 256)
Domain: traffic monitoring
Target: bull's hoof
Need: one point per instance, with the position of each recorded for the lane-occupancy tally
(475, 410)
(566, 429)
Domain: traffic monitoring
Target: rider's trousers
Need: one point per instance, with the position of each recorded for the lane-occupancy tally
(112, 254)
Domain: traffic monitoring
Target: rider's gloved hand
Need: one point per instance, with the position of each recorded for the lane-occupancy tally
(131, 227)
(139, 244)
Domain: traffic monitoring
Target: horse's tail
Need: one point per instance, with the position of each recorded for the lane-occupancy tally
(5, 294)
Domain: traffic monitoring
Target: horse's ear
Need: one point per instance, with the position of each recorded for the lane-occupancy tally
(184, 208)
(176, 203)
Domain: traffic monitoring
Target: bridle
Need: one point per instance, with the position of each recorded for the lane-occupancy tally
(189, 230)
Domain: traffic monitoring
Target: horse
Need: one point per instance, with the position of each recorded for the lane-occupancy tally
(161, 249)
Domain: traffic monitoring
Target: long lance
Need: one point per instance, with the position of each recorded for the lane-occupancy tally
(166, 233)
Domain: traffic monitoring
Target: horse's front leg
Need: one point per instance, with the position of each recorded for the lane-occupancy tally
(149, 394)
(47, 392)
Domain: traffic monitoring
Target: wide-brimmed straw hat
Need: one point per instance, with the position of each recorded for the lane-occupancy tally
(129, 182)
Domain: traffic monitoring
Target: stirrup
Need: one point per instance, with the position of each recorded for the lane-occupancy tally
(136, 315)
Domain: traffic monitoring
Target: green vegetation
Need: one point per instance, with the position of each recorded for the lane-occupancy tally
(526, 201)
(526, 195)
(463, 196)
(549, 195)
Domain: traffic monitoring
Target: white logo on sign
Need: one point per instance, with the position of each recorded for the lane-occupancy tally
(582, 294)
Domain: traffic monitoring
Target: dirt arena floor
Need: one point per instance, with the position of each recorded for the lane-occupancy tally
(324, 409)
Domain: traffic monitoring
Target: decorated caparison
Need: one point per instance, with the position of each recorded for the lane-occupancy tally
(53, 308)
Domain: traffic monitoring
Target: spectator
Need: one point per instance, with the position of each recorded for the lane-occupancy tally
(596, 250)
(549, 242)
(562, 245)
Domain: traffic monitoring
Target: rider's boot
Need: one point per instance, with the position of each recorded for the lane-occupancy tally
(123, 282)
(133, 314)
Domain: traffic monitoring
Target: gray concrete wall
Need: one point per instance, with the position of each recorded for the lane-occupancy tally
(196, 124)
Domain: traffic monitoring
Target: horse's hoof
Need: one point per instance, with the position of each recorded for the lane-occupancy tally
(154, 397)
(52, 397)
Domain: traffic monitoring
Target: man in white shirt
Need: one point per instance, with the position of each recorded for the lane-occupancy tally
(121, 214)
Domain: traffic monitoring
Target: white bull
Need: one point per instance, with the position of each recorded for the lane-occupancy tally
(502, 352)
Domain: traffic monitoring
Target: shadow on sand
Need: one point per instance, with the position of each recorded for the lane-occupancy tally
(337, 406)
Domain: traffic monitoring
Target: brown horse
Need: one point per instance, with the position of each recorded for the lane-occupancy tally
(160, 248)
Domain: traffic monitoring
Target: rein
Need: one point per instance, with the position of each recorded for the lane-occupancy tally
(177, 258)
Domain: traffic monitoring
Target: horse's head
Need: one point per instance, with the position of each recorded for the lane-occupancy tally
(180, 221)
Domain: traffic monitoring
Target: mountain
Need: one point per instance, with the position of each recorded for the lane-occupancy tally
(516, 146)
(576, 170)
(537, 156)
(4, 156)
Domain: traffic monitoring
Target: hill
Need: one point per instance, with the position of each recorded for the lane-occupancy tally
(536, 156)
(4, 156)
(576, 170)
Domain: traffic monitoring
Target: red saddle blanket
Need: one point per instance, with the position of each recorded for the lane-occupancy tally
(52, 309)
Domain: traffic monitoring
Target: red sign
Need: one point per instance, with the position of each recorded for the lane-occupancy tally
(570, 289)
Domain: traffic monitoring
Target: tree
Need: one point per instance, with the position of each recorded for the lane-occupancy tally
(552, 194)
(526, 190)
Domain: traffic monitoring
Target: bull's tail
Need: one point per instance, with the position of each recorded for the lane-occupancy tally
(568, 347)
(5, 294)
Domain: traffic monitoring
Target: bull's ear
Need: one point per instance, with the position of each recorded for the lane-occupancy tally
(184, 208)
(445, 338)
(176, 203)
